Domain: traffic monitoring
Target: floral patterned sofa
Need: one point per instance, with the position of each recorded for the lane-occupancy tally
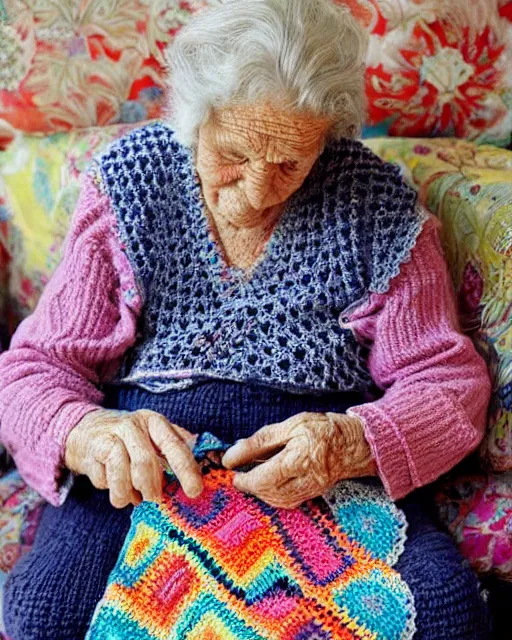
(76, 75)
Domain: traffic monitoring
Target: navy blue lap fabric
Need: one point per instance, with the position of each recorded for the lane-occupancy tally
(52, 591)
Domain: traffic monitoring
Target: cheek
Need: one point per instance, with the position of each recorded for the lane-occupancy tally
(228, 174)
(289, 183)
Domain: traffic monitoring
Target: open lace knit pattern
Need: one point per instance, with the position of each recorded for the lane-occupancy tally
(228, 567)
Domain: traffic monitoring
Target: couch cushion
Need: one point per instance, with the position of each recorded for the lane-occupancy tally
(470, 189)
(477, 509)
(39, 185)
(85, 63)
(439, 68)
(434, 67)
(20, 510)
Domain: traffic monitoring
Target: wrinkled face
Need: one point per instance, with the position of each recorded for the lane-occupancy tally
(250, 159)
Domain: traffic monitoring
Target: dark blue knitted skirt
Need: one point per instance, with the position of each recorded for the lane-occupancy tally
(52, 591)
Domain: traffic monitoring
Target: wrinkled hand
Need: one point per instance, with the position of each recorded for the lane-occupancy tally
(312, 452)
(126, 453)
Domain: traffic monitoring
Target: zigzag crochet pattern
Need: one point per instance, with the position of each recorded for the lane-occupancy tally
(227, 566)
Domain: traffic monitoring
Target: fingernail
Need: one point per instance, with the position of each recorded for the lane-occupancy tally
(237, 482)
(195, 492)
(229, 458)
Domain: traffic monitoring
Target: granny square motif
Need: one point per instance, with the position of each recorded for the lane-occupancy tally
(227, 566)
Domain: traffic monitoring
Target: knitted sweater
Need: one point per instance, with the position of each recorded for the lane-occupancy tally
(435, 387)
(342, 235)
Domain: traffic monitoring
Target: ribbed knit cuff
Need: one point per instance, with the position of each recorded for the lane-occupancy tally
(410, 448)
(387, 448)
(44, 468)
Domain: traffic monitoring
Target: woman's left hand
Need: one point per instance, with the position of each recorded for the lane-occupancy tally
(311, 452)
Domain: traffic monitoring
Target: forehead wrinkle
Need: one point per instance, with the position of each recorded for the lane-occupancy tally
(275, 149)
(277, 128)
(291, 149)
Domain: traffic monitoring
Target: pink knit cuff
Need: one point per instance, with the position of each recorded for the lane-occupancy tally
(409, 447)
(388, 449)
(46, 472)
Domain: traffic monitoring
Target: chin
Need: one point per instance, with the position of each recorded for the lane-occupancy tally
(241, 218)
(236, 213)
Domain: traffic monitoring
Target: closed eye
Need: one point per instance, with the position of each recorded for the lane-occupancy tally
(234, 158)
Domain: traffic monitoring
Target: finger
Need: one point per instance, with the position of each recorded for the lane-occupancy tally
(97, 475)
(187, 437)
(178, 455)
(146, 471)
(265, 478)
(288, 496)
(118, 475)
(263, 442)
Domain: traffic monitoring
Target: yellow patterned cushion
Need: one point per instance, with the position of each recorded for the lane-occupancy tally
(39, 184)
(470, 189)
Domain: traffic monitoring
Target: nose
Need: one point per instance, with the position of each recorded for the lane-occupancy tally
(259, 180)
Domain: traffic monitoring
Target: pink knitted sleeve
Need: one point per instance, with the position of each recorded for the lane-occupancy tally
(436, 387)
(83, 324)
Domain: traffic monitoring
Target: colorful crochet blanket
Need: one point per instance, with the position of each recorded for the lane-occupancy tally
(227, 566)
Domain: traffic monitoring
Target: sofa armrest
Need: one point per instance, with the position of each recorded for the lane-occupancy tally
(469, 187)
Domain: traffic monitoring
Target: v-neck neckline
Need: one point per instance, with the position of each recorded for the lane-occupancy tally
(218, 253)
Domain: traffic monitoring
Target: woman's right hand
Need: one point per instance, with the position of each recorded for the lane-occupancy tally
(126, 453)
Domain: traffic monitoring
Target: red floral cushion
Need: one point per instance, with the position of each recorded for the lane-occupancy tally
(441, 68)
(75, 64)
(435, 67)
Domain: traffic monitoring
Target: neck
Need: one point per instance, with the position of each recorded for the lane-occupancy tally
(243, 245)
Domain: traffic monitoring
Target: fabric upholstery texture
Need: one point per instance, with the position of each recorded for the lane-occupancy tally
(20, 512)
(39, 186)
(80, 64)
(469, 188)
(440, 68)
(477, 508)
(436, 67)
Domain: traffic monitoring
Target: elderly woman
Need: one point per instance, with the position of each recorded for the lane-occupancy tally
(256, 273)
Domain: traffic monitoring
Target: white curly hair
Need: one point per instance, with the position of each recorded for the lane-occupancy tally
(301, 54)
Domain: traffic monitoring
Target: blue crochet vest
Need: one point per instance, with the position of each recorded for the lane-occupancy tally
(342, 236)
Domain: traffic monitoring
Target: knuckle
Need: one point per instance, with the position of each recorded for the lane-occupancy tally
(168, 440)
(104, 446)
(181, 465)
(146, 415)
(146, 462)
(260, 438)
(139, 479)
(114, 455)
